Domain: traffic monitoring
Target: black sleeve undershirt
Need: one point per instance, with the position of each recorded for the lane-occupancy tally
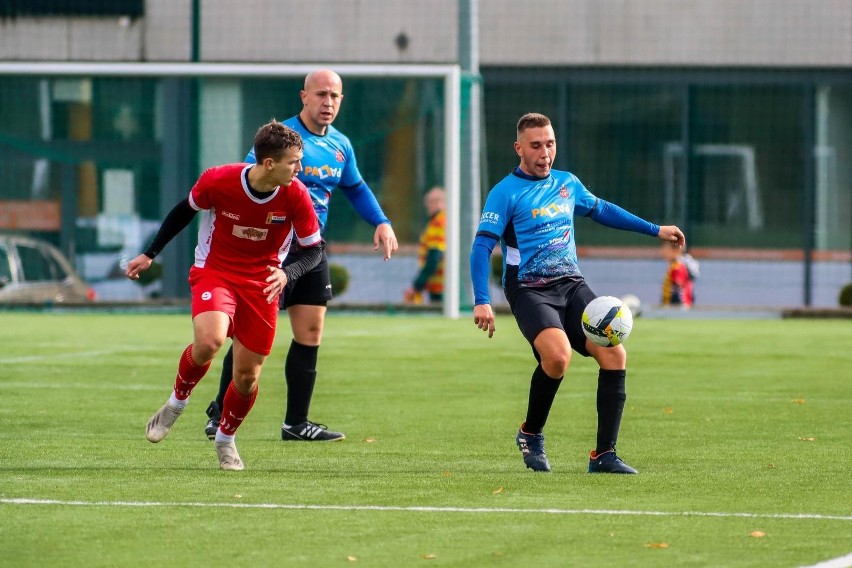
(309, 258)
(176, 221)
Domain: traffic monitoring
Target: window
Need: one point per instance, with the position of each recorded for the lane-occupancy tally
(5, 268)
(36, 266)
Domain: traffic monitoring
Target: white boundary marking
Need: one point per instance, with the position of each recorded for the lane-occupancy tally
(76, 354)
(416, 509)
(839, 562)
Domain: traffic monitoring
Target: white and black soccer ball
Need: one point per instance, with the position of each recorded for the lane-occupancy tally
(607, 321)
(634, 303)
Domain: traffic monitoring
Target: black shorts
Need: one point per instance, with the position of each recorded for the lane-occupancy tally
(559, 305)
(312, 289)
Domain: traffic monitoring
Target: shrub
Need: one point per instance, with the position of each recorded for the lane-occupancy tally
(845, 298)
(339, 278)
(154, 272)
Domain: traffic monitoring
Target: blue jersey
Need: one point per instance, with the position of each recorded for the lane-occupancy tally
(328, 163)
(534, 220)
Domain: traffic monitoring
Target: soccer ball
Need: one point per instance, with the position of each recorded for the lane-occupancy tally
(633, 302)
(607, 321)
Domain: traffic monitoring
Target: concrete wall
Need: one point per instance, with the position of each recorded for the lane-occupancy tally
(668, 32)
(723, 283)
(547, 32)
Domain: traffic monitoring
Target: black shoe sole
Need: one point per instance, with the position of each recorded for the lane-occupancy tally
(291, 438)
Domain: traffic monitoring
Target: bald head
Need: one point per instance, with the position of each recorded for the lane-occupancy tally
(322, 77)
(321, 99)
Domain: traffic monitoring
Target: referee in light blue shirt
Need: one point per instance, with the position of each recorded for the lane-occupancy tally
(328, 164)
(531, 212)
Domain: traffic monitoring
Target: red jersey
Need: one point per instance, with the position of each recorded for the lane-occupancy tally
(242, 234)
(677, 285)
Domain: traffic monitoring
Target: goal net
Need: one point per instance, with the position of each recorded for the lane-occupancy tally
(115, 145)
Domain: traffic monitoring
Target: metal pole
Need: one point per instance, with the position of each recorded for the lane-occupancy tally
(452, 177)
(687, 173)
(471, 176)
(809, 171)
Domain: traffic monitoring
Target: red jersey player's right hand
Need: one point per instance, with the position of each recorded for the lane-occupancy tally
(277, 281)
(137, 265)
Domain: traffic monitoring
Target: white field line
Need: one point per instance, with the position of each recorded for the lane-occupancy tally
(416, 509)
(839, 562)
(82, 386)
(77, 354)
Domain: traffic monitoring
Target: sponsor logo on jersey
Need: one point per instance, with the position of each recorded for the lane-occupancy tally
(563, 192)
(324, 171)
(550, 211)
(230, 215)
(489, 217)
(206, 296)
(276, 217)
(250, 233)
(338, 155)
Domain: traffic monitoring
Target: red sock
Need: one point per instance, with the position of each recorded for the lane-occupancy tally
(235, 408)
(188, 374)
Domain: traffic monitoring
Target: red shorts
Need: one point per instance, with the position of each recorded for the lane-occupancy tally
(253, 319)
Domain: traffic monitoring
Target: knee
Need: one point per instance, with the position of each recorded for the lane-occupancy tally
(206, 347)
(245, 382)
(311, 336)
(612, 357)
(556, 363)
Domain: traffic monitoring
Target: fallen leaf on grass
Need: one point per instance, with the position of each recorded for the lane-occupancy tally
(657, 545)
(369, 440)
(668, 410)
(772, 465)
(446, 474)
(807, 438)
(757, 534)
(352, 558)
(799, 400)
(496, 491)
(428, 557)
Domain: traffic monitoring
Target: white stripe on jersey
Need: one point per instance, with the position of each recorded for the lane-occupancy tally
(244, 181)
(285, 248)
(205, 235)
(513, 256)
(310, 240)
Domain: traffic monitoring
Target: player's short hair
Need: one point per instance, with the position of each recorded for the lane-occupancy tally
(272, 139)
(532, 120)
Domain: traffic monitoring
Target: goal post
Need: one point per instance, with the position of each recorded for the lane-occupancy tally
(404, 122)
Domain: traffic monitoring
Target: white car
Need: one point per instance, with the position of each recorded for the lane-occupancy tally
(34, 271)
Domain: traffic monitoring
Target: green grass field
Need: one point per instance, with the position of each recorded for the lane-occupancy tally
(747, 419)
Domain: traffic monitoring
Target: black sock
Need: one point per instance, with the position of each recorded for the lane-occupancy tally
(301, 373)
(611, 397)
(227, 375)
(542, 392)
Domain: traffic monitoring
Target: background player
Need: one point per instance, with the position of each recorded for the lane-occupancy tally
(681, 271)
(531, 211)
(251, 213)
(329, 164)
(430, 254)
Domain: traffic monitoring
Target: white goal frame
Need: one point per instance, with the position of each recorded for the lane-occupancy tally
(450, 74)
